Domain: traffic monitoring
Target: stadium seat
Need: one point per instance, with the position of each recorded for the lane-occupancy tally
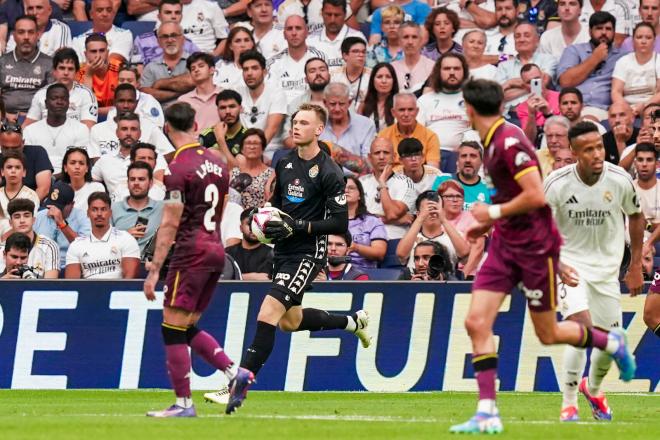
(391, 261)
(383, 274)
(139, 27)
(78, 27)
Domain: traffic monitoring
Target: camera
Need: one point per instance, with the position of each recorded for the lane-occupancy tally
(436, 267)
(26, 272)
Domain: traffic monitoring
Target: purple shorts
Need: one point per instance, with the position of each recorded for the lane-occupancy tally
(655, 285)
(535, 275)
(190, 291)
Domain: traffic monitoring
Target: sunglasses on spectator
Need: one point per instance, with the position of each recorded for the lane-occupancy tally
(253, 112)
(10, 126)
(406, 77)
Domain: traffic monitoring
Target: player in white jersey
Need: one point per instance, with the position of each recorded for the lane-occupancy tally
(589, 200)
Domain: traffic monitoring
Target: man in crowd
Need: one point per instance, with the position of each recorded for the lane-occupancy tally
(226, 135)
(339, 266)
(414, 69)
(570, 31)
(255, 259)
(410, 152)
(334, 32)
(53, 34)
(622, 132)
(202, 97)
(501, 42)
(353, 71)
(646, 183)
(147, 106)
(15, 256)
(99, 73)
(556, 135)
(120, 41)
(470, 159)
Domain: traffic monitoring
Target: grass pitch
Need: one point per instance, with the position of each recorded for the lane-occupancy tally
(97, 415)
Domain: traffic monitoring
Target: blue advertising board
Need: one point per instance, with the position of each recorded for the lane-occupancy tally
(71, 334)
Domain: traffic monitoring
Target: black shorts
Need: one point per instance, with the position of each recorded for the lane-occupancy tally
(292, 276)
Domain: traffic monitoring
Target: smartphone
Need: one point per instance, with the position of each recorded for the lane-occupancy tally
(535, 86)
(142, 221)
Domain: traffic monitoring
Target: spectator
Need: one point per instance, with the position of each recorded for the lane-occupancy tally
(56, 133)
(99, 73)
(204, 22)
(145, 47)
(649, 11)
(470, 159)
(432, 224)
(44, 256)
(340, 266)
(646, 134)
(422, 255)
(15, 254)
(107, 252)
(345, 127)
(53, 34)
(405, 111)
(539, 13)
(268, 36)
(138, 214)
(60, 221)
(10, 11)
(166, 77)
(414, 69)
(38, 169)
(310, 11)
(443, 110)
(353, 73)
(12, 168)
(202, 97)
(83, 106)
(646, 183)
(621, 12)
(474, 45)
(509, 72)
(563, 157)
(146, 152)
(475, 15)
(589, 67)
(389, 47)
(571, 105)
(255, 259)
(441, 24)
(387, 194)
(24, 70)
(264, 103)
(229, 128)
(368, 235)
(636, 75)
(103, 136)
(411, 154)
(501, 42)
(286, 70)
(253, 178)
(416, 10)
(533, 113)
(556, 134)
(453, 202)
(228, 73)
(148, 108)
(330, 38)
(570, 31)
(379, 100)
(77, 172)
(622, 132)
(120, 41)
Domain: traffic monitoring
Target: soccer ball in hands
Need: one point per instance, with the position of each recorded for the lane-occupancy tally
(259, 220)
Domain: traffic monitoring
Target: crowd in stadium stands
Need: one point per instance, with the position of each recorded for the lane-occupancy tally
(84, 83)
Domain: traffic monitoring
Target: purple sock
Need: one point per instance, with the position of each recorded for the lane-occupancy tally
(178, 367)
(598, 338)
(207, 347)
(486, 383)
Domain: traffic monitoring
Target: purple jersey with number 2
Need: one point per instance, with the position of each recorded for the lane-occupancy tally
(201, 182)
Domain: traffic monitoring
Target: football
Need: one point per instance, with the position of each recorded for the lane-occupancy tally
(259, 220)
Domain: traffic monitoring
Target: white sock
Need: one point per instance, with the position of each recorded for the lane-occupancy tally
(600, 365)
(184, 402)
(575, 359)
(231, 371)
(487, 406)
(612, 345)
(351, 325)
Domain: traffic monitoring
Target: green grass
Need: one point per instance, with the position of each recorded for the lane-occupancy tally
(96, 415)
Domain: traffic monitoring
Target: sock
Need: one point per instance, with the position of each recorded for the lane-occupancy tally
(315, 319)
(595, 337)
(262, 345)
(178, 359)
(184, 402)
(208, 348)
(485, 371)
(351, 323)
(657, 330)
(575, 359)
(600, 365)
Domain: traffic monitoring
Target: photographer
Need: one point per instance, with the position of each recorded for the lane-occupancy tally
(16, 252)
(339, 263)
(432, 263)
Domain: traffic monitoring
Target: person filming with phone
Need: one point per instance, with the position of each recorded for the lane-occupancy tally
(138, 214)
(539, 106)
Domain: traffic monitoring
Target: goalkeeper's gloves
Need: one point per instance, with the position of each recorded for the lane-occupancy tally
(280, 230)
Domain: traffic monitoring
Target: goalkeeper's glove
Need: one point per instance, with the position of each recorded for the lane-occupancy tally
(279, 230)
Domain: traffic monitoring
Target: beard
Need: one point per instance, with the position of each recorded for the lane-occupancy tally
(318, 87)
(595, 43)
(452, 87)
(250, 238)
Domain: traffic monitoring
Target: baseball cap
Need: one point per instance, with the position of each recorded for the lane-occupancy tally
(60, 195)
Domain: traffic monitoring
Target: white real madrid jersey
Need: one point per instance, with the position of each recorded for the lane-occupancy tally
(101, 258)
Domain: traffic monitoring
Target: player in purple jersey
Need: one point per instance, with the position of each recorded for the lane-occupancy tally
(196, 183)
(524, 252)
(652, 303)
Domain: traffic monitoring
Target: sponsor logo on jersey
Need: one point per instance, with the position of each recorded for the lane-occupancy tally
(340, 199)
(510, 142)
(521, 157)
(295, 192)
(314, 171)
(289, 166)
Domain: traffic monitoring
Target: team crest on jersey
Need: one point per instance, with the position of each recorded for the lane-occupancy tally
(200, 16)
(340, 199)
(37, 70)
(314, 171)
(154, 112)
(114, 250)
(510, 142)
(521, 158)
(608, 197)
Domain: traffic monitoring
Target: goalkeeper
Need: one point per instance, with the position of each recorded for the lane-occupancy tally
(309, 192)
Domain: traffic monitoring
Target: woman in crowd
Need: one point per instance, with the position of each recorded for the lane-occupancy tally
(636, 75)
(253, 178)
(77, 172)
(378, 102)
(432, 224)
(368, 231)
(389, 48)
(453, 203)
(228, 73)
(441, 24)
(474, 45)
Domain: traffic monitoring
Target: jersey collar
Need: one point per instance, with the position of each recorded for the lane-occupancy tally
(186, 147)
(491, 132)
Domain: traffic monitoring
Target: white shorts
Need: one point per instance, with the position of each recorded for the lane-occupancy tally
(601, 299)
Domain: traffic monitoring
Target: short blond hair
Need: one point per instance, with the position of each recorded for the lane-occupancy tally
(392, 11)
(320, 111)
